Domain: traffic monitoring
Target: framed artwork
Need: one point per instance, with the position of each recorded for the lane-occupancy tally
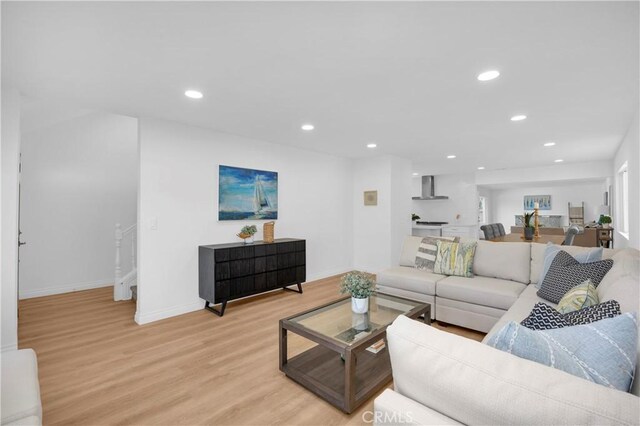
(247, 194)
(544, 202)
(370, 198)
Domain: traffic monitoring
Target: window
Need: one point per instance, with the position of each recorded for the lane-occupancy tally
(482, 210)
(623, 200)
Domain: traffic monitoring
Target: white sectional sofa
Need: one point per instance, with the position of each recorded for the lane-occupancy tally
(20, 393)
(441, 378)
(502, 273)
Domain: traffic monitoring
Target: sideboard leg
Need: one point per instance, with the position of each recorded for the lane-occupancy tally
(299, 290)
(219, 313)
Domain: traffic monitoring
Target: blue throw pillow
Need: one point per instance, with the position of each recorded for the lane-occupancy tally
(552, 249)
(603, 352)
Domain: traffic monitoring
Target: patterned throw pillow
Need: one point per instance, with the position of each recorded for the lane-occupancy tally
(426, 255)
(608, 309)
(603, 352)
(566, 272)
(552, 249)
(581, 296)
(455, 258)
(545, 317)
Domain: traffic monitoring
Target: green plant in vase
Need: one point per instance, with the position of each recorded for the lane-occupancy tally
(528, 227)
(605, 220)
(247, 232)
(360, 286)
(414, 217)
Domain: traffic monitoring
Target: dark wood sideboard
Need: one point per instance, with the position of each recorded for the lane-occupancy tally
(231, 271)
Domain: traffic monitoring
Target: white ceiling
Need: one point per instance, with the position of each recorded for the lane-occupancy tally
(402, 75)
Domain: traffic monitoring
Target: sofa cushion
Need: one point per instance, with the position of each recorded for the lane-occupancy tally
(477, 384)
(544, 317)
(409, 250)
(622, 282)
(453, 258)
(428, 252)
(586, 256)
(602, 352)
(581, 296)
(608, 309)
(20, 393)
(537, 257)
(509, 261)
(566, 272)
(484, 291)
(410, 279)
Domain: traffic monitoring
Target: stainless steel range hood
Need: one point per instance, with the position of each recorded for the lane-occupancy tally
(429, 190)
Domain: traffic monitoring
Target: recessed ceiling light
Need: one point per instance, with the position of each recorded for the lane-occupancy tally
(415, 174)
(371, 145)
(549, 144)
(193, 94)
(518, 117)
(488, 75)
(307, 127)
(558, 161)
(451, 156)
(481, 168)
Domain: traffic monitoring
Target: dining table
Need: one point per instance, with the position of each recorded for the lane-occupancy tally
(518, 238)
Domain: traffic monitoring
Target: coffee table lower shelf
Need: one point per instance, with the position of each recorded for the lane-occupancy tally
(322, 371)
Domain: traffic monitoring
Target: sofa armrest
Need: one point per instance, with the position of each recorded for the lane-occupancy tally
(391, 408)
(476, 384)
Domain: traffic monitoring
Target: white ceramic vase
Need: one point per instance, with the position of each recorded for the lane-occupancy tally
(360, 306)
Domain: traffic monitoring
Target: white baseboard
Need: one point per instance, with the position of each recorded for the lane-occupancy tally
(11, 347)
(145, 318)
(65, 288)
(328, 273)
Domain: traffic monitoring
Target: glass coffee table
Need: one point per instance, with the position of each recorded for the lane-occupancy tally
(349, 364)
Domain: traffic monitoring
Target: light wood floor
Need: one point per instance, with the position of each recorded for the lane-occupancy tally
(98, 367)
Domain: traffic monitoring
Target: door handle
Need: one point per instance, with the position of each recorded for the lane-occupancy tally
(20, 243)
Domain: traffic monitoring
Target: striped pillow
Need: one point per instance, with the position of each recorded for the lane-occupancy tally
(426, 255)
(581, 296)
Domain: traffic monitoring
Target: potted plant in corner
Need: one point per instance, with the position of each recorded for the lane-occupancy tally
(528, 228)
(605, 220)
(360, 286)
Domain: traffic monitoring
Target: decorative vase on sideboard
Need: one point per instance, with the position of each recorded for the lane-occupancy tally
(528, 233)
(360, 306)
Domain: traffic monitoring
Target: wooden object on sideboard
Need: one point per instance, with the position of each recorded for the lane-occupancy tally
(605, 237)
(589, 238)
(236, 270)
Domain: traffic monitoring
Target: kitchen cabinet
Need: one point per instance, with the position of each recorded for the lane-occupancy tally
(426, 231)
(462, 231)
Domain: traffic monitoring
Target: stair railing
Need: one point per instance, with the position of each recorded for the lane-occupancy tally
(126, 240)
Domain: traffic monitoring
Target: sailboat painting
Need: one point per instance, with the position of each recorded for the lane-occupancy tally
(247, 194)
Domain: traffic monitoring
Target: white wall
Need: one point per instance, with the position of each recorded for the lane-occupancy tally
(79, 178)
(179, 190)
(506, 203)
(629, 151)
(463, 200)
(541, 176)
(379, 231)
(9, 233)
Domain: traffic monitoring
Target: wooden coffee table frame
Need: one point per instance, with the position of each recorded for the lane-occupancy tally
(321, 370)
